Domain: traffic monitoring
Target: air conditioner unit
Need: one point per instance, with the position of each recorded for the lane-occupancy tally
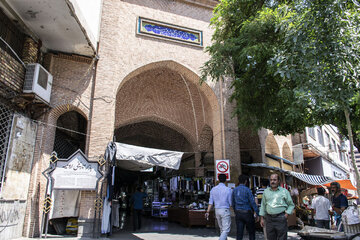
(38, 81)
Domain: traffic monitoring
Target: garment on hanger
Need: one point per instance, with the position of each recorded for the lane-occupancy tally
(105, 221)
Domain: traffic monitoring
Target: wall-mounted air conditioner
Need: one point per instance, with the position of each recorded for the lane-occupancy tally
(38, 81)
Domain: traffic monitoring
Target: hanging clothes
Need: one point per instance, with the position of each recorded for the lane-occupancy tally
(105, 221)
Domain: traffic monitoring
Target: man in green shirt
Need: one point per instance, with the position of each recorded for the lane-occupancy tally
(276, 205)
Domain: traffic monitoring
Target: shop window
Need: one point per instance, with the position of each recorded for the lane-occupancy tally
(6, 117)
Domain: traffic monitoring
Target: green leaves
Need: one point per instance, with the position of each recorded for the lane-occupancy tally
(293, 63)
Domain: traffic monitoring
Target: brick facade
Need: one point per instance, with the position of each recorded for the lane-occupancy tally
(147, 86)
(12, 74)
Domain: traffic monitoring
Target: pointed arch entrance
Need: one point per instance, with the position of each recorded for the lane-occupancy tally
(166, 100)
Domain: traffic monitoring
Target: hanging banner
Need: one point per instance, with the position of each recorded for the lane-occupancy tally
(75, 173)
(223, 167)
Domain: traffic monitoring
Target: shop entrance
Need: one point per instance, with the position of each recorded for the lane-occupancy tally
(172, 196)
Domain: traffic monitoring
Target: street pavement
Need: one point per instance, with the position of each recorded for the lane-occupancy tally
(156, 229)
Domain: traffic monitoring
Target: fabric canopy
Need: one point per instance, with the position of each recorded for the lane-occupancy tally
(344, 183)
(272, 156)
(312, 179)
(137, 158)
(264, 165)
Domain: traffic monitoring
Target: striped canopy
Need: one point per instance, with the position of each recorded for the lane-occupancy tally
(312, 179)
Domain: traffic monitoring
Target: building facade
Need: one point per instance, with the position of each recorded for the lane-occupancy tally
(137, 82)
(325, 153)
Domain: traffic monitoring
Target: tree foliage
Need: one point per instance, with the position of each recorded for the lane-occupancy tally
(293, 64)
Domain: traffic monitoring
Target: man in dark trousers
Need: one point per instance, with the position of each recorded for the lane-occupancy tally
(276, 205)
(244, 205)
(339, 202)
(137, 201)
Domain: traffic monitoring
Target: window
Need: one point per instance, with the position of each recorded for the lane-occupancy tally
(5, 127)
(340, 153)
(333, 145)
(311, 132)
(327, 139)
(320, 137)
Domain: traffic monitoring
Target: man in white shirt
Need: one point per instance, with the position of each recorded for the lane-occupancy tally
(322, 206)
(220, 196)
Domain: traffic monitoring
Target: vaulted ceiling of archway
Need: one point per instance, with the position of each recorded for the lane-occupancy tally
(154, 135)
(164, 94)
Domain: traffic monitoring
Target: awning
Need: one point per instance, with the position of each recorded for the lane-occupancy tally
(312, 179)
(137, 158)
(264, 165)
(344, 183)
(280, 158)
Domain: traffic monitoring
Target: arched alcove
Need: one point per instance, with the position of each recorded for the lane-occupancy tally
(70, 134)
(286, 152)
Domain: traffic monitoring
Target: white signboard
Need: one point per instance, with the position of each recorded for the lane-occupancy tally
(223, 167)
(75, 173)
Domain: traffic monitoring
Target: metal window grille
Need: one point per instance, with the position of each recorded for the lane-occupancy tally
(6, 117)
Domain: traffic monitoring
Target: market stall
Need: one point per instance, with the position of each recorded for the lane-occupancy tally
(174, 193)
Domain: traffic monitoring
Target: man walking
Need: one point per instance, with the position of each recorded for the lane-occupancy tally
(322, 206)
(276, 205)
(220, 196)
(137, 201)
(339, 202)
(244, 205)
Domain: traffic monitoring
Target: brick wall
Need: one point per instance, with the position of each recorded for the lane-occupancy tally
(30, 51)
(71, 91)
(12, 75)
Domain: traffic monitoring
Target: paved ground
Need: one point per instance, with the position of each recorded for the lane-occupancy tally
(155, 229)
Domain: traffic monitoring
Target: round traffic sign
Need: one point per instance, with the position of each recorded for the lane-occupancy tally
(222, 166)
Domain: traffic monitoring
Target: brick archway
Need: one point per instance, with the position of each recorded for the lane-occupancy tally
(286, 152)
(52, 118)
(171, 94)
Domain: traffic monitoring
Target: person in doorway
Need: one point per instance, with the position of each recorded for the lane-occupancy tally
(260, 191)
(220, 196)
(276, 205)
(339, 203)
(244, 206)
(321, 205)
(137, 201)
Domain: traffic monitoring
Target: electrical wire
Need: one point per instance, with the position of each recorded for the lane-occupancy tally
(12, 50)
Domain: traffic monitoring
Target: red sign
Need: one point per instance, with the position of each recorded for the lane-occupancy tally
(223, 167)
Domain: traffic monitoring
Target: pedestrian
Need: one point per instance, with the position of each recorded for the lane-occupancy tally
(339, 203)
(137, 201)
(321, 205)
(276, 205)
(220, 198)
(258, 195)
(244, 206)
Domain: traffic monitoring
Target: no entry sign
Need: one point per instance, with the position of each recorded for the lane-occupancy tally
(223, 167)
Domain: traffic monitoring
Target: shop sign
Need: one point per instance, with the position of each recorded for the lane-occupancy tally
(339, 175)
(223, 167)
(75, 173)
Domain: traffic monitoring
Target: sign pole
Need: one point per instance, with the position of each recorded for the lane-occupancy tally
(48, 194)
